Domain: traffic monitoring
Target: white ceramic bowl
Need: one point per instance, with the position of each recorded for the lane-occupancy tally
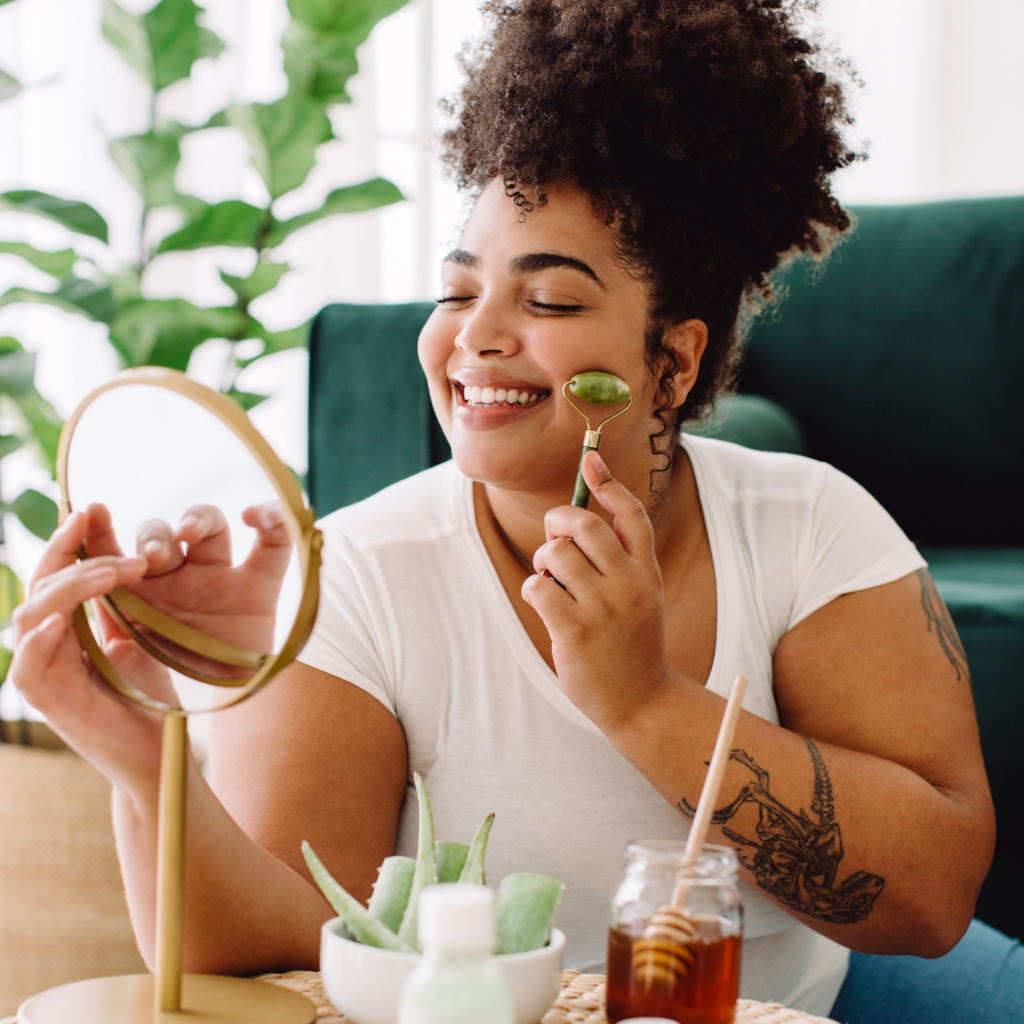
(363, 981)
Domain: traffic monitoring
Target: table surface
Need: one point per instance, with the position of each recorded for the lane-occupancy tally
(581, 1002)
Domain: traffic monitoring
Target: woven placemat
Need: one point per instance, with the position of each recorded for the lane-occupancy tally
(581, 1002)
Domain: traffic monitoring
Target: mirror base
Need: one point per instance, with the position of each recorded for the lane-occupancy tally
(206, 999)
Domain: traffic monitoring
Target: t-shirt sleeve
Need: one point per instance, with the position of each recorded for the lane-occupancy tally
(851, 543)
(352, 635)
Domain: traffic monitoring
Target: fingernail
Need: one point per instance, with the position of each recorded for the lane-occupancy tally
(596, 462)
(152, 547)
(189, 521)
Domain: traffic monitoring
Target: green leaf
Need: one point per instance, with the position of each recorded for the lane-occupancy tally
(229, 223)
(75, 295)
(352, 199)
(9, 86)
(163, 332)
(56, 264)
(37, 512)
(11, 594)
(10, 443)
(17, 371)
(9, 344)
(161, 45)
(247, 399)
(283, 136)
(320, 43)
(75, 216)
(45, 425)
(276, 341)
(149, 162)
(264, 278)
(6, 655)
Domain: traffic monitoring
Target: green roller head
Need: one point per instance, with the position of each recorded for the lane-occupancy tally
(599, 388)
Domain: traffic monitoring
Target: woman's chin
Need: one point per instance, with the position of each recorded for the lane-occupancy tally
(511, 471)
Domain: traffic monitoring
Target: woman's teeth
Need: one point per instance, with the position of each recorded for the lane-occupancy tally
(476, 395)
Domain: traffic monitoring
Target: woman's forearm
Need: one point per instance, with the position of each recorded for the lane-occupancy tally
(245, 910)
(860, 848)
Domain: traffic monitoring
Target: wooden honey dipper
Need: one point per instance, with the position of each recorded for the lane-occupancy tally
(664, 954)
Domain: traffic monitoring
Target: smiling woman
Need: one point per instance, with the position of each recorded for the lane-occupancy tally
(639, 170)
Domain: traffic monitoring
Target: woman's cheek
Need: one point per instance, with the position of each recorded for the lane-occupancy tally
(434, 349)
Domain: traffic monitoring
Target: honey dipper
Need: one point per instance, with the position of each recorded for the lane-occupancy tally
(664, 954)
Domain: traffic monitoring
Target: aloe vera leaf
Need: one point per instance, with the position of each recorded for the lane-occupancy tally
(524, 910)
(473, 872)
(451, 858)
(599, 388)
(391, 891)
(426, 866)
(367, 930)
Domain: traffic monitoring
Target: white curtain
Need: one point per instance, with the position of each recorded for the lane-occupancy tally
(940, 113)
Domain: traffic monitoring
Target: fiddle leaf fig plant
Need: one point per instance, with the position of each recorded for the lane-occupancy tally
(161, 46)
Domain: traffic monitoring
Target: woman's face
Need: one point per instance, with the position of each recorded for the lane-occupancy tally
(527, 302)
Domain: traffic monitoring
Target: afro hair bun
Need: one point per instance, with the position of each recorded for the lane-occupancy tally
(705, 130)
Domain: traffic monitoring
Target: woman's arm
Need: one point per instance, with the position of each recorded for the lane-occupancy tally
(867, 814)
(310, 757)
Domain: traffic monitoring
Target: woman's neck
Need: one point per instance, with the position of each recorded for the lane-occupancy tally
(518, 516)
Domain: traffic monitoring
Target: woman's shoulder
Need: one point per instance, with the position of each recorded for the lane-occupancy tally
(427, 505)
(745, 473)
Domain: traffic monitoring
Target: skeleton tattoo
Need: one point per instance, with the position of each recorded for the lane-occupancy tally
(795, 857)
(938, 615)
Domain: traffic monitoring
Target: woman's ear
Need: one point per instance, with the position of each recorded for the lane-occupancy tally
(686, 341)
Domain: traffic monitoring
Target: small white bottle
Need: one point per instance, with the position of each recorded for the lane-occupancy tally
(457, 981)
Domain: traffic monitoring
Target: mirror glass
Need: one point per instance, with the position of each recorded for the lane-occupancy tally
(182, 489)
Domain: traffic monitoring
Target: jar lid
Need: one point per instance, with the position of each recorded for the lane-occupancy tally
(457, 916)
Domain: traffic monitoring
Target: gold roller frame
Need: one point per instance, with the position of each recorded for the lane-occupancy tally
(171, 996)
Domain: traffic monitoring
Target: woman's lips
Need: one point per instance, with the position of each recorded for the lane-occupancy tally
(480, 407)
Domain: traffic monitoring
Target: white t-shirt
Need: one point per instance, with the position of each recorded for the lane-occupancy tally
(413, 612)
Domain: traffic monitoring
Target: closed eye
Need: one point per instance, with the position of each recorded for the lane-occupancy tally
(551, 307)
(453, 298)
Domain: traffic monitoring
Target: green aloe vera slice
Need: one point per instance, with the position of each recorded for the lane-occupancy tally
(599, 388)
(426, 866)
(525, 909)
(451, 858)
(367, 930)
(473, 872)
(391, 891)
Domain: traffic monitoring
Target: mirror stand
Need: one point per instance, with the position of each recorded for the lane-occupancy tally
(170, 996)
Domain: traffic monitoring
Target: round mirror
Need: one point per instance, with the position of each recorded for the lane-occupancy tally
(175, 471)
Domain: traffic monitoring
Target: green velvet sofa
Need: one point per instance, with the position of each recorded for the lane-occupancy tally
(901, 362)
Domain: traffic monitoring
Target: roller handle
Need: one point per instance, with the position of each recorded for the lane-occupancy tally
(581, 495)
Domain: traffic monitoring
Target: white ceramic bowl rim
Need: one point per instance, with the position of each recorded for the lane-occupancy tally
(557, 939)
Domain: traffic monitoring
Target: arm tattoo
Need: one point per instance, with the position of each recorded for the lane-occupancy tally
(938, 615)
(794, 857)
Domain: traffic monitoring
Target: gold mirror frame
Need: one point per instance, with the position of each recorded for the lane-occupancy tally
(301, 526)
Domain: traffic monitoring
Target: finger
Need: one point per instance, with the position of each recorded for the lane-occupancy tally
(156, 542)
(630, 521)
(554, 605)
(563, 560)
(590, 533)
(273, 545)
(204, 529)
(35, 651)
(62, 550)
(100, 538)
(62, 592)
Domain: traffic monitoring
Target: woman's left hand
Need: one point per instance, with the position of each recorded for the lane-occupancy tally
(607, 626)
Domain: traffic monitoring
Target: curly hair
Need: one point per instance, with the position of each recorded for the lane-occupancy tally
(703, 130)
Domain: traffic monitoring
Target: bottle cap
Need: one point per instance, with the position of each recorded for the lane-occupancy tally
(455, 915)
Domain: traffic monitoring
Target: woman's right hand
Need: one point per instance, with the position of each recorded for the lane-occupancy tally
(53, 673)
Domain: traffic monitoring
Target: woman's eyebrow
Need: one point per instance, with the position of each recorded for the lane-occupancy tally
(531, 262)
(462, 259)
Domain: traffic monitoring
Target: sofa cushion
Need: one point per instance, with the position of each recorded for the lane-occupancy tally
(753, 422)
(902, 362)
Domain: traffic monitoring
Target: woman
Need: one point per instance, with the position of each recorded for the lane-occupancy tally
(641, 169)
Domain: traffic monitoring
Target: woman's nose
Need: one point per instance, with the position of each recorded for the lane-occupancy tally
(487, 332)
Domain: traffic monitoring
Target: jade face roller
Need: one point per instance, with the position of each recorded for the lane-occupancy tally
(596, 388)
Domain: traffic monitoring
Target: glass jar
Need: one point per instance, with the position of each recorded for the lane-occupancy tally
(662, 963)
